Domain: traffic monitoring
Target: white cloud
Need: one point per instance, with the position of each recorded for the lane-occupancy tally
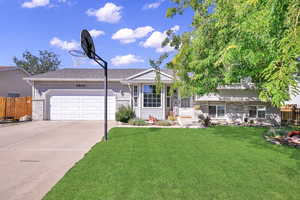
(110, 13)
(35, 3)
(65, 45)
(127, 35)
(126, 60)
(175, 28)
(96, 33)
(156, 39)
(153, 5)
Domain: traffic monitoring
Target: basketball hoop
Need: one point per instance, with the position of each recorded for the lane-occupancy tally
(77, 53)
(88, 47)
(78, 57)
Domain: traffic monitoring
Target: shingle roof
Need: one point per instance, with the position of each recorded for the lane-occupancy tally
(83, 74)
(6, 68)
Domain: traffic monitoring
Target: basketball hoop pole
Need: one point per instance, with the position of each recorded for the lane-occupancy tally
(104, 66)
(87, 44)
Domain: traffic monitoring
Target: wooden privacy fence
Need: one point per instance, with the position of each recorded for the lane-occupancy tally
(290, 115)
(15, 108)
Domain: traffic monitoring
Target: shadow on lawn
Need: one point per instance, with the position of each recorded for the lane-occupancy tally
(254, 137)
(251, 135)
(131, 132)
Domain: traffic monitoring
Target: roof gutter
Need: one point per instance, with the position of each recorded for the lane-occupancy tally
(68, 79)
(144, 81)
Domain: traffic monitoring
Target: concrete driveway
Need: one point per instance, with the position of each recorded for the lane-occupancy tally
(35, 155)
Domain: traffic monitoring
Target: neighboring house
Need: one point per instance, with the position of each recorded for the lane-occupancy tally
(12, 83)
(77, 94)
(237, 103)
(295, 98)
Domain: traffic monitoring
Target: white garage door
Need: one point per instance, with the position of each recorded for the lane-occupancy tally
(81, 108)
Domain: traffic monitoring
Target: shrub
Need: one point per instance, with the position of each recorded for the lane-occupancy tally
(137, 122)
(124, 114)
(164, 123)
(205, 120)
(273, 132)
(171, 118)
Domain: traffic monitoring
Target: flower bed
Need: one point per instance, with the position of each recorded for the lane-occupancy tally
(284, 136)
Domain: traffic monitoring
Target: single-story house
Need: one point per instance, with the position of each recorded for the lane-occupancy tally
(12, 83)
(77, 94)
(295, 97)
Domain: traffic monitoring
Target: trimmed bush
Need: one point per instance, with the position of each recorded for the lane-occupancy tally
(164, 123)
(273, 132)
(124, 114)
(137, 122)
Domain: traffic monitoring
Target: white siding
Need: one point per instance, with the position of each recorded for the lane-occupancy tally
(41, 88)
(230, 95)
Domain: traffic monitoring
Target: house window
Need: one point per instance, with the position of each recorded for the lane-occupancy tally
(257, 111)
(152, 99)
(168, 96)
(185, 103)
(261, 111)
(216, 111)
(135, 95)
(252, 111)
(13, 95)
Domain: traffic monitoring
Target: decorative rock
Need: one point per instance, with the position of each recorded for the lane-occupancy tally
(25, 118)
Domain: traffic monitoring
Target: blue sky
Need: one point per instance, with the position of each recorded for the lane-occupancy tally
(126, 32)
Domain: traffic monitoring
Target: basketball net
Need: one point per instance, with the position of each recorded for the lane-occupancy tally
(77, 61)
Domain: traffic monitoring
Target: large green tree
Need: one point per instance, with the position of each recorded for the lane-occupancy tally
(46, 61)
(234, 39)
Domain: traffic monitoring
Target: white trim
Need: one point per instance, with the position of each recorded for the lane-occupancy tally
(110, 92)
(68, 79)
(146, 81)
(147, 71)
(137, 96)
(138, 74)
(140, 100)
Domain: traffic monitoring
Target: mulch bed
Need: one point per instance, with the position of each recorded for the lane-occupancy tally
(292, 139)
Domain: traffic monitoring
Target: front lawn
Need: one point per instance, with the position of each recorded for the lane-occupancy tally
(168, 164)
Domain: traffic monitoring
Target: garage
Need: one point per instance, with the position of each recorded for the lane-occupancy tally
(78, 106)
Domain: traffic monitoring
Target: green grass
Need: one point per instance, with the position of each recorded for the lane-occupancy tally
(169, 164)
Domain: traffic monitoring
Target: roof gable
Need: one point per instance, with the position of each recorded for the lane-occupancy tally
(150, 74)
